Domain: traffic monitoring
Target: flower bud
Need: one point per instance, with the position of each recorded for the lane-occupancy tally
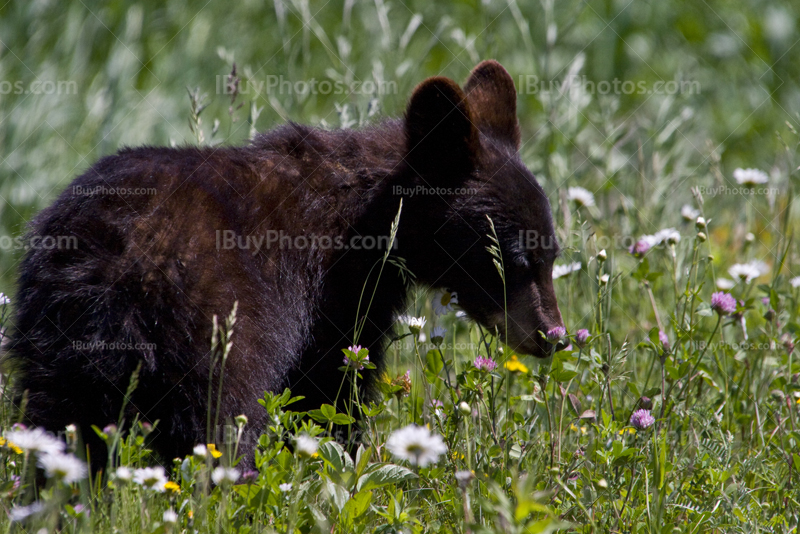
(602, 256)
(581, 337)
(788, 343)
(700, 223)
(464, 408)
(701, 237)
(662, 337)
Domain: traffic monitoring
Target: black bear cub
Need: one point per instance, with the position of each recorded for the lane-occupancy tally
(291, 227)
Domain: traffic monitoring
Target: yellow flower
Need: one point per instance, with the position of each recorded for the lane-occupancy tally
(212, 449)
(514, 365)
(443, 302)
(5, 443)
(190, 514)
(574, 428)
(629, 430)
(172, 486)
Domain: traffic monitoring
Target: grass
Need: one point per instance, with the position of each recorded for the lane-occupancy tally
(550, 443)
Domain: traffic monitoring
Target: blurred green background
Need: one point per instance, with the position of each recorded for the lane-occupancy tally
(79, 79)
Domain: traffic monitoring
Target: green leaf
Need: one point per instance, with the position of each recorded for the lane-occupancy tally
(642, 270)
(704, 310)
(378, 475)
(327, 414)
(652, 277)
(356, 506)
(546, 526)
(434, 366)
(527, 506)
(342, 419)
(337, 494)
(334, 455)
(362, 459)
(560, 369)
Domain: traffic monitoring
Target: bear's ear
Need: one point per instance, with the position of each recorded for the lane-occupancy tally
(441, 137)
(493, 100)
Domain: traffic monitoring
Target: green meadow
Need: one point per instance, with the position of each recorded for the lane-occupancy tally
(666, 136)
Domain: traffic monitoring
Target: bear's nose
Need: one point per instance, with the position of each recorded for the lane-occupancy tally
(561, 345)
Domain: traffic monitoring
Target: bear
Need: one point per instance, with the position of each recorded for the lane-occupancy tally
(288, 227)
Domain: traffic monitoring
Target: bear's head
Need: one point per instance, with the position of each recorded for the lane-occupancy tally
(462, 154)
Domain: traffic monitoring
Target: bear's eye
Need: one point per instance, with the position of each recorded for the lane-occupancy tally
(520, 259)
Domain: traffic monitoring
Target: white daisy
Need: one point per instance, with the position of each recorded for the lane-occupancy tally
(417, 445)
(64, 467)
(21, 513)
(750, 177)
(170, 516)
(437, 334)
(225, 475)
(4, 299)
(201, 451)
(581, 196)
(443, 302)
(464, 478)
(153, 478)
(725, 284)
(668, 235)
(565, 270)
(747, 272)
(651, 240)
(795, 282)
(688, 213)
(305, 446)
(414, 324)
(36, 440)
(286, 487)
(123, 473)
